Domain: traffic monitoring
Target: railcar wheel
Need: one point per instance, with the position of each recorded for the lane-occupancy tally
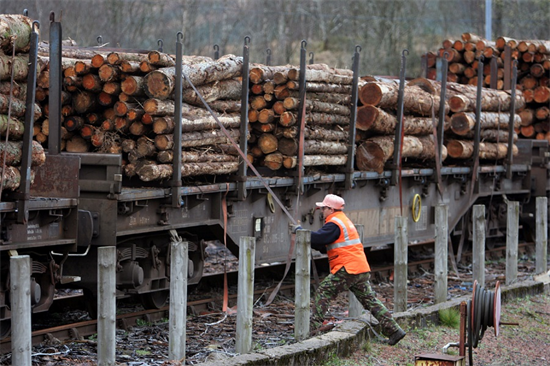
(154, 300)
(5, 328)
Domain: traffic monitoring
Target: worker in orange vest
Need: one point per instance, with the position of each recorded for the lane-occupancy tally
(349, 269)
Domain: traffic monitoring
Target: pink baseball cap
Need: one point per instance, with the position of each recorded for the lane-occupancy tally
(332, 201)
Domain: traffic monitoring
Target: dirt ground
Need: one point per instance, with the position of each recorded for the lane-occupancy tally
(526, 344)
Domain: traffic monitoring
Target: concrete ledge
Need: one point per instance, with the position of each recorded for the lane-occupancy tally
(350, 335)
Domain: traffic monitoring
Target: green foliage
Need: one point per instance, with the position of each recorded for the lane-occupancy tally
(142, 323)
(450, 317)
(142, 352)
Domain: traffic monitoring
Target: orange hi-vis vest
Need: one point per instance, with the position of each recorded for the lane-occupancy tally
(347, 251)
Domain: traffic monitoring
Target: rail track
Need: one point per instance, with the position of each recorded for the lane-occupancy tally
(418, 270)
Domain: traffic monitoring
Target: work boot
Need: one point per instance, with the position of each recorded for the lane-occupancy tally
(396, 337)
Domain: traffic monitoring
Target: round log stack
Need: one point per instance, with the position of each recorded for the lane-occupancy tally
(15, 32)
(533, 57)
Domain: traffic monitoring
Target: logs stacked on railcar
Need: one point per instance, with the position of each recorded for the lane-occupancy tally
(533, 58)
(376, 119)
(15, 31)
(275, 111)
(118, 102)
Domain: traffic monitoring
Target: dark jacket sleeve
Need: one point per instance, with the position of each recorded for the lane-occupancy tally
(326, 235)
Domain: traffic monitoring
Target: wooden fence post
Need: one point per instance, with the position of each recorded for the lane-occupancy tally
(400, 264)
(303, 282)
(512, 228)
(355, 307)
(441, 253)
(179, 259)
(245, 299)
(542, 235)
(106, 314)
(20, 293)
(478, 244)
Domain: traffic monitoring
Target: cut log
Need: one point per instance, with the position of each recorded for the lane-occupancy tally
(112, 87)
(109, 73)
(133, 85)
(196, 157)
(491, 100)
(209, 137)
(226, 106)
(327, 74)
(224, 89)
(315, 106)
(373, 154)
(461, 149)
(153, 172)
(158, 107)
(11, 153)
(116, 58)
(268, 143)
(492, 135)
(105, 100)
(84, 102)
(320, 87)
(137, 128)
(15, 32)
(315, 147)
(273, 161)
(130, 67)
(290, 162)
(73, 123)
(374, 119)
(12, 177)
(260, 73)
(384, 95)
(463, 122)
(287, 146)
(161, 82)
(161, 59)
(12, 127)
(17, 106)
(541, 94)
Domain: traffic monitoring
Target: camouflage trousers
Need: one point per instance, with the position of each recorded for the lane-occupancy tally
(359, 284)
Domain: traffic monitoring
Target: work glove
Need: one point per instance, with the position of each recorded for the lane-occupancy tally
(293, 228)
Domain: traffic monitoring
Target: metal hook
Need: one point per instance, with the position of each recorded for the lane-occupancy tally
(160, 43)
(36, 24)
(304, 43)
(52, 17)
(405, 51)
(268, 51)
(446, 55)
(216, 48)
(311, 54)
(26, 12)
(481, 58)
(179, 36)
(246, 40)
(99, 40)
(515, 62)
(358, 48)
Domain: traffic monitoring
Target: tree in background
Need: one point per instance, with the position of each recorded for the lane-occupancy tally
(332, 28)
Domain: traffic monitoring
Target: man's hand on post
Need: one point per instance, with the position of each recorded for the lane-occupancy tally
(293, 228)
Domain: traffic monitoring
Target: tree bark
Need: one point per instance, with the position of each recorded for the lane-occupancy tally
(320, 87)
(195, 157)
(133, 85)
(290, 162)
(14, 128)
(373, 154)
(461, 149)
(316, 106)
(374, 119)
(15, 31)
(260, 73)
(153, 172)
(224, 89)
(492, 135)
(315, 147)
(161, 82)
(323, 74)
(384, 95)
(268, 143)
(11, 153)
(463, 122)
(158, 107)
